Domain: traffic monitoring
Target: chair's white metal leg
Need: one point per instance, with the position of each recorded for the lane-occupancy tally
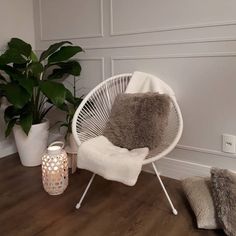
(163, 187)
(86, 190)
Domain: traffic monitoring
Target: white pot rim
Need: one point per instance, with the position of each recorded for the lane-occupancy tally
(45, 120)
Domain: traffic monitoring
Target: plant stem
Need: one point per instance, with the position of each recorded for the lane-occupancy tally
(74, 88)
(36, 107)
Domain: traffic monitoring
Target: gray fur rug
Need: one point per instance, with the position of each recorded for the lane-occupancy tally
(224, 195)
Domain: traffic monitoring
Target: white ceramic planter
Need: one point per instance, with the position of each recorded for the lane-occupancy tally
(32, 147)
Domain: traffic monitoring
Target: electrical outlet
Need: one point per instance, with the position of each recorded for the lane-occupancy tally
(229, 143)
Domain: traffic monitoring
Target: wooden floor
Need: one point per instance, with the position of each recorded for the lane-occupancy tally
(110, 208)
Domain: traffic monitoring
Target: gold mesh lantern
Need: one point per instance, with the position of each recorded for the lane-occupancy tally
(55, 169)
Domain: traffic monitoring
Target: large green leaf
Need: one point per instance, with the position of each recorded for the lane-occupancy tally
(58, 74)
(56, 92)
(71, 67)
(10, 125)
(36, 68)
(26, 120)
(27, 84)
(64, 53)
(12, 56)
(33, 57)
(69, 97)
(20, 46)
(53, 48)
(20, 67)
(14, 73)
(10, 113)
(16, 95)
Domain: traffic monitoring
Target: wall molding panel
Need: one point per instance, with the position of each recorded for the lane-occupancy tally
(166, 28)
(162, 43)
(100, 59)
(190, 44)
(170, 56)
(75, 36)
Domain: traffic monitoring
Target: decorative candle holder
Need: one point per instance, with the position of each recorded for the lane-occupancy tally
(55, 169)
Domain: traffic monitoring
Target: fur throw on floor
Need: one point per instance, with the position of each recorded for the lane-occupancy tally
(213, 200)
(224, 195)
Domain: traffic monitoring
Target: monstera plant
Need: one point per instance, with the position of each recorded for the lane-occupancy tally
(32, 85)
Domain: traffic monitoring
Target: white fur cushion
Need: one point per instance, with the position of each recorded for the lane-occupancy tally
(199, 195)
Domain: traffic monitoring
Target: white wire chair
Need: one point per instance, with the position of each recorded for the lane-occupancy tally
(91, 116)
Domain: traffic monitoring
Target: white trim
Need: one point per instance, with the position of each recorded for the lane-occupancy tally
(111, 19)
(96, 59)
(216, 153)
(178, 169)
(101, 19)
(99, 35)
(169, 56)
(7, 148)
(161, 43)
(163, 29)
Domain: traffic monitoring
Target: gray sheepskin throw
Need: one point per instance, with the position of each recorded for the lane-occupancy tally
(224, 195)
(138, 120)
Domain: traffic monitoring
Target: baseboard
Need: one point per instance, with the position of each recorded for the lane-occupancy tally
(186, 161)
(183, 162)
(7, 148)
(178, 169)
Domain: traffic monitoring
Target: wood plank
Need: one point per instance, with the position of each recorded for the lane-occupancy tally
(110, 208)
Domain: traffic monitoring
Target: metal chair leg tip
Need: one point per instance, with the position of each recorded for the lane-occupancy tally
(77, 206)
(175, 212)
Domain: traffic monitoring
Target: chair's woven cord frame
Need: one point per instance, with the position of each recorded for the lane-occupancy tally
(92, 114)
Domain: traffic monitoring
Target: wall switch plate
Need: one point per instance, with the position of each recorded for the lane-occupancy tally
(229, 143)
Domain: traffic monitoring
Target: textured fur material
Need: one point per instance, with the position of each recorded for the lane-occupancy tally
(100, 156)
(224, 194)
(199, 195)
(138, 120)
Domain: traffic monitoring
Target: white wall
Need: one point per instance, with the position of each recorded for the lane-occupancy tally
(189, 44)
(16, 20)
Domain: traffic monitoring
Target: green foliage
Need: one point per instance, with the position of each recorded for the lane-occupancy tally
(53, 48)
(69, 106)
(72, 67)
(55, 91)
(64, 53)
(29, 82)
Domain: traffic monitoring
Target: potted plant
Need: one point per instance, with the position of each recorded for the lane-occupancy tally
(32, 87)
(70, 107)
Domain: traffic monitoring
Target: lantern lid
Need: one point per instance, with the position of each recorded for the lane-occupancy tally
(55, 148)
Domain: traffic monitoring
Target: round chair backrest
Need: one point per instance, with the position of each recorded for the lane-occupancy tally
(93, 113)
(91, 116)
